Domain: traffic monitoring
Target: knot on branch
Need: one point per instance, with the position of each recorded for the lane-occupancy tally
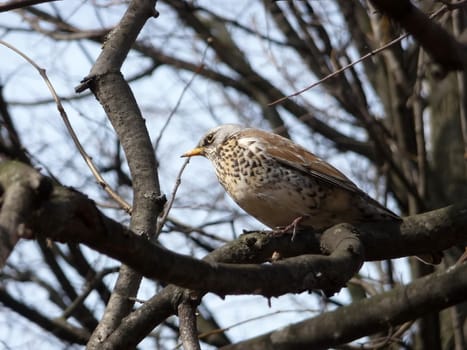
(346, 256)
(341, 239)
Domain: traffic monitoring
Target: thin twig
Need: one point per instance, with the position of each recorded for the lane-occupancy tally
(90, 287)
(177, 104)
(13, 5)
(252, 319)
(168, 206)
(347, 66)
(364, 57)
(63, 114)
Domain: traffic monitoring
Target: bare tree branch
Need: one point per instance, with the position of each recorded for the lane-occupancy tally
(440, 45)
(88, 160)
(388, 109)
(20, 196)
(257, 247)
(118, 101)
(81, 312)
(310, 272)
(59, 327)
(188, 329)
(432, 293)
(79, 221)
(16, 4)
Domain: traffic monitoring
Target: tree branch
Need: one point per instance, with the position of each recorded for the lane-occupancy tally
(440, 45)
(188, 330)
(447, 224)
(79, 221)
(379, 313)
(19, 197)
(108, 85)
(13, 5)
(59, 327)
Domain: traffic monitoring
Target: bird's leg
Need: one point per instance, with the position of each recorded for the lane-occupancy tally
(291, 227)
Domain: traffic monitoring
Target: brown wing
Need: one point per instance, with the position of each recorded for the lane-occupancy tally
(297, 157)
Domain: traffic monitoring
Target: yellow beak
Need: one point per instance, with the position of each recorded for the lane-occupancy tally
(198, 151)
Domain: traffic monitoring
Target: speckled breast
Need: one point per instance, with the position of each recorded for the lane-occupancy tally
(271, 192)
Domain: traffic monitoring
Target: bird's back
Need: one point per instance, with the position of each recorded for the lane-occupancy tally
(277, 181)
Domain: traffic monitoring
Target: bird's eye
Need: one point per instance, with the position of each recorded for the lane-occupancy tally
(209, 139)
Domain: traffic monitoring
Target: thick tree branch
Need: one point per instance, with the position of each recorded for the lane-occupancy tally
(379, 313)
(78, 221)
(81, 222)
(257, 247)
(188, 330)
(118, 101)
(441, 45)
(20, 196)
(249, 72)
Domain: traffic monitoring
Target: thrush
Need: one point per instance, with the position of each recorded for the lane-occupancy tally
(281, 183)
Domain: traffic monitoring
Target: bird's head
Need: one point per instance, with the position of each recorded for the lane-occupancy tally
(212, 139)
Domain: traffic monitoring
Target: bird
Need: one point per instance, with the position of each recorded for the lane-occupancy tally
(282, 184)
